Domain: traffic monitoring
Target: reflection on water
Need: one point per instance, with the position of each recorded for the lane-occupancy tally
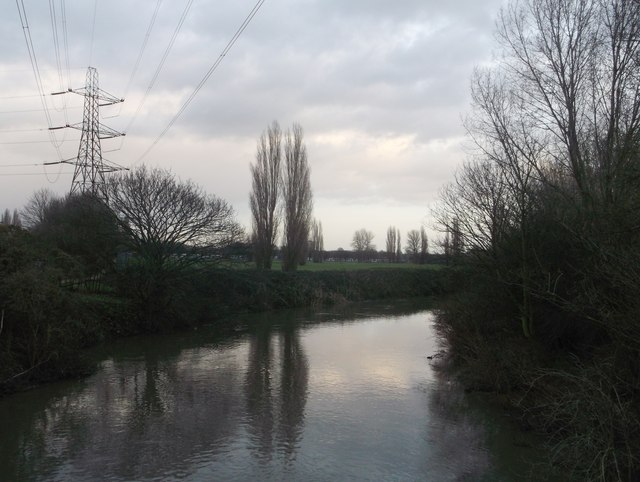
(276, 390)
(351, 398)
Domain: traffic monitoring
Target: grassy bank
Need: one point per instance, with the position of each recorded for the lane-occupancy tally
(232, 290)
(355, 266)
(45, 331)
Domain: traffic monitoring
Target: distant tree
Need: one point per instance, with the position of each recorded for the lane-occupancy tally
(297, 199)
(316, 242)
(394, 247)
(15, 220)
(362, 243)
(34, 211)
(413, 245)
(457, 240)
(424, 246)
(266, 182)
(6, 217)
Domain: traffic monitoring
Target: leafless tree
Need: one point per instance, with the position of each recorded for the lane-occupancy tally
(169, 223)
(547, 209)
(413, 245)
(393, 241)
(316, 242)
(507, 137)
(457, 240)
(15, 219)
(6, 217)
(297, 199)
(362, 243)
(34, 211)
(266, 179)
(574, 67)
(424, 246)
(479, 202)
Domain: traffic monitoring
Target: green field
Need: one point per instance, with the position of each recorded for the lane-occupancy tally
(355, 266)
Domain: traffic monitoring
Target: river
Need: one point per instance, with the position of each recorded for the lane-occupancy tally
(343, 394)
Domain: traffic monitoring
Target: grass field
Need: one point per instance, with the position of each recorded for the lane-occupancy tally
(354, 266)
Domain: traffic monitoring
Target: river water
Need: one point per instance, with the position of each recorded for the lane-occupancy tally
(344, 394)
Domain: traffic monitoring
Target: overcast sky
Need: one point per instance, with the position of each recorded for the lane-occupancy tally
(380, 88)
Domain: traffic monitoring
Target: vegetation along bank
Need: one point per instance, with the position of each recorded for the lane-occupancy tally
(544, 221)
(51, 308)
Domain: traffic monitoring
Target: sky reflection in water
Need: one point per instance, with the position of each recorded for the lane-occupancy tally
(291, 399)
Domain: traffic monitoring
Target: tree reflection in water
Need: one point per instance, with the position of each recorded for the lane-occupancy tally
(276, 391)
(351, 398)
(136, 418)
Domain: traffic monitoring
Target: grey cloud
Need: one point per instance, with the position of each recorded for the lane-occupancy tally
(373, 67)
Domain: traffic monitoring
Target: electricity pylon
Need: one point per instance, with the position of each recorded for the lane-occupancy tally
(90, 167)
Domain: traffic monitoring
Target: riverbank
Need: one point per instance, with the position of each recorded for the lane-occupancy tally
(50, 346)
(576, 391)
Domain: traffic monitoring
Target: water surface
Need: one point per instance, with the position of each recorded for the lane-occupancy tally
(345, 394)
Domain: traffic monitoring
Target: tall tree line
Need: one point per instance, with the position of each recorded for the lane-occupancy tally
(281, 194)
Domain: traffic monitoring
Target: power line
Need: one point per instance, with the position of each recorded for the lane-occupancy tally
(93, 29)
(140, 53)
(19, 96)
(211, 70)
(22, 130)
(36, 71)
(33, 174)
(63, 12)
(22, 111)
(44, 172)
(56, 43)
(56, 48)
(162, 61)
(19, 165)
(31, 142)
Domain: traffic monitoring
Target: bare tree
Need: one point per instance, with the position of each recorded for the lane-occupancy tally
(316, 242)
(574, 67)
(413, 245)
(480, 203)
(35, 209)
(297, 199)
(457, 240)
(170, 223)
(393, 241)
(6, 217)
(362, 243)
(266, 181)
(424, 246)
(15, 219)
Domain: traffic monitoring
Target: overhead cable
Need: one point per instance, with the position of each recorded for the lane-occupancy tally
(211, 70)
(139, 58)
(36, 71)
(93, 29)
(161, 64)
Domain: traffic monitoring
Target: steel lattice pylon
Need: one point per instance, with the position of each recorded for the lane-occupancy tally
(90, 167)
